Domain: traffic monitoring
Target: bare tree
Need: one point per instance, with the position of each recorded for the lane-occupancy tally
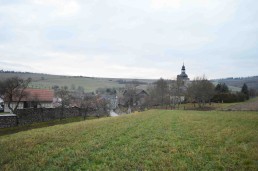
(176, 89)
(87, 104)
(158, 93)
(13, 90)
(201, 90)
(162, 91)
(65, 97)
(130, 95)
(102, 104)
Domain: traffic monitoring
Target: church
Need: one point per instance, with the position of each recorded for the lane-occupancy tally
(183, 81)
(183, 76)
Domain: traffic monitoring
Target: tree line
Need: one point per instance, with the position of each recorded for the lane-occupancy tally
(200, 91)
(166, 93)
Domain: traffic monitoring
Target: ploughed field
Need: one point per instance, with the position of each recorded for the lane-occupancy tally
(152, 140)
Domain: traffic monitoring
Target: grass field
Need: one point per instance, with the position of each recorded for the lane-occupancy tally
(48, 81)
(152, 140)
(90, 84)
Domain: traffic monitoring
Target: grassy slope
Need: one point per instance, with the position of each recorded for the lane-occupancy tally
(156, 139)
(89, 84)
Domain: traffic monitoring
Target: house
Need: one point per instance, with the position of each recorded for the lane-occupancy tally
(34, 98)
(138, 96)
(112, 99)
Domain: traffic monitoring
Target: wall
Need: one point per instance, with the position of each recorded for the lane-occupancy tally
(8, 120)
(34, 115)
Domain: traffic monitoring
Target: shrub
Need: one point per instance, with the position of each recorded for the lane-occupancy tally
(229, 97)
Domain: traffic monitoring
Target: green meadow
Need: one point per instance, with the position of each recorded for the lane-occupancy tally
(151, 140)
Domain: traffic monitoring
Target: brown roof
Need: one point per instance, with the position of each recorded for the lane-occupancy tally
(42, 95)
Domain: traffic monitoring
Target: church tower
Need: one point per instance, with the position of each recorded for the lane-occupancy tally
(183, 76)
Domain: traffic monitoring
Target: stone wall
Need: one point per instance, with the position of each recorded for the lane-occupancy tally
(34, 115)
(8, 120)
(28, 116)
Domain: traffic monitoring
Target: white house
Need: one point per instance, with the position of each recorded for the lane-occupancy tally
(35, 98)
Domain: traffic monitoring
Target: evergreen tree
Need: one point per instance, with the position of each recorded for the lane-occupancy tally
(221, 88)
(224, 88)
(245, 90)
(218, 88)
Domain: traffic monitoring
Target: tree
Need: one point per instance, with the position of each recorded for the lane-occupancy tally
(221, 88)
(245, 91)
(80, 89)
(201, 90)
(13, 89)
(158, 93)
(252, 92)
(176, 91)
(162, 91)
(88, 103)
(130, 96)
(102, 104)
(65, 97)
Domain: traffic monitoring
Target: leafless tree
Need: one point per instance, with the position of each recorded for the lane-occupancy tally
(158, 93)
(13, 90)
(87, 104)
(252, 93)
(162, 91)
(65, 97)
(130, 93)
(200, 90)
(176, 89)
(102, 104)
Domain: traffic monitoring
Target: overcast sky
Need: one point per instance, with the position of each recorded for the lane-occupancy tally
(130, 38)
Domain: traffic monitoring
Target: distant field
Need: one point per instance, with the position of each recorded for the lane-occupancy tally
(90, 84)
(152, 140)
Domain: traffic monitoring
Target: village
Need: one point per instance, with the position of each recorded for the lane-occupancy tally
(37, 105)
(132, 95)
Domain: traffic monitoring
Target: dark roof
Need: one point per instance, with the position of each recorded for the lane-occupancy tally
(139, 91)
(183, 75)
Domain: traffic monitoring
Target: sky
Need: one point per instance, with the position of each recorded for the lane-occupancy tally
(130, 38)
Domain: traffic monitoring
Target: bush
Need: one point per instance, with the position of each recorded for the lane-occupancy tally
(229, 97)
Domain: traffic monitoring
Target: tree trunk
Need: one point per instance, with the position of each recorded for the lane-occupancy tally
(9, 106)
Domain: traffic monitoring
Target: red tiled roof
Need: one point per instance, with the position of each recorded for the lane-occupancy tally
(42, 95)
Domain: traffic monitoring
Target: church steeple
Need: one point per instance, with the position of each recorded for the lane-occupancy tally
(183, 75)
(183, 68)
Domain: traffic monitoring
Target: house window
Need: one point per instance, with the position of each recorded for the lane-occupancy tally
(25, 105)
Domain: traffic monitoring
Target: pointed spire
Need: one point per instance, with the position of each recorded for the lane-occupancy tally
(183, 67)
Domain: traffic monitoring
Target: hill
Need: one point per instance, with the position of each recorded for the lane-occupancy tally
(90, 84)
(152, 140)
(252, 82)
